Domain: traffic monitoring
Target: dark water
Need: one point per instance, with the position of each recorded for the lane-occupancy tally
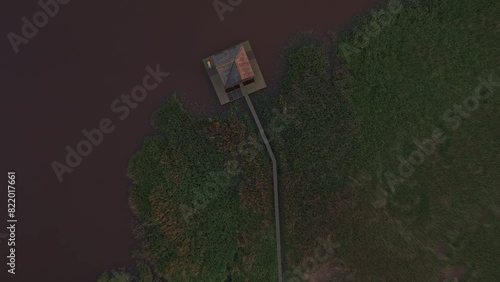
(64, 80)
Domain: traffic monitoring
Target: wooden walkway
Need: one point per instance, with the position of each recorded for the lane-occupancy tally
(275, 182)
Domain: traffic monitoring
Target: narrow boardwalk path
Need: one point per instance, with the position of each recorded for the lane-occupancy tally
(275, 182)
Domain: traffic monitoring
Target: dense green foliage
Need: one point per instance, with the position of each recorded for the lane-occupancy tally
(404, 85)
(170, 173)
(203, 210)
(391, 87)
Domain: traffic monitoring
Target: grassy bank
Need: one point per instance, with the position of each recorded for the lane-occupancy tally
(202, 210)
(346, 169)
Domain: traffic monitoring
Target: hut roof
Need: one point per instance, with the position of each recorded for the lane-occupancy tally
(233, 66)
